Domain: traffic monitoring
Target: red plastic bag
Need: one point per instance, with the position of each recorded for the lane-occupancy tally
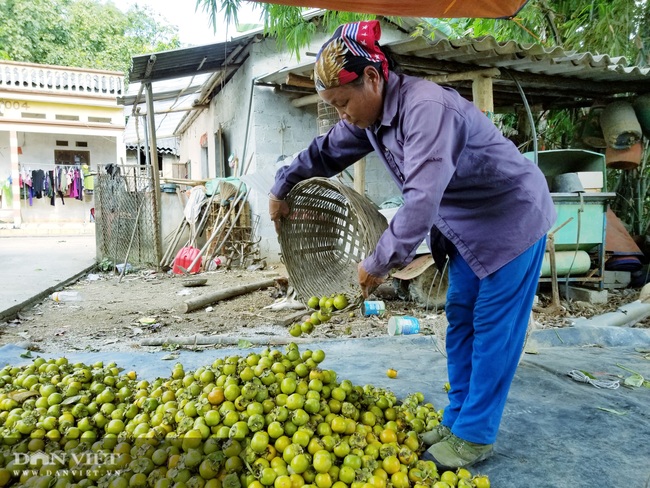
(184, 259)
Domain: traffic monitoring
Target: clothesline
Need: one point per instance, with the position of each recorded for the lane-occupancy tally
(31, 167)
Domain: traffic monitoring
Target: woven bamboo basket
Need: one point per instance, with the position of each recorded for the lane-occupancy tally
(331, 228)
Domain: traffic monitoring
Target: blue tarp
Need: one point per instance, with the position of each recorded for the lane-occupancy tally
(556, 432)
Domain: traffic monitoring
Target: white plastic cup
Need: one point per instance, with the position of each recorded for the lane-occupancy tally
(371, 307)
(403, 325)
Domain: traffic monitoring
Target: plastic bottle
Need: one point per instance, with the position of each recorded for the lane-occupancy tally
(403, 325)
(66, 296)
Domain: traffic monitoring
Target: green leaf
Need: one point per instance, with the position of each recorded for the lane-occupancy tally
(72, 400)
(21, 396)
(26, 354)
(169, 357)
(636, 380)
(244, 344)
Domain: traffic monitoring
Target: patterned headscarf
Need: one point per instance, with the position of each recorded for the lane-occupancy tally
(344, 56)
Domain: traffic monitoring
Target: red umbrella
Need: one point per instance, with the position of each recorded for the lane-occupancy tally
(490, 9)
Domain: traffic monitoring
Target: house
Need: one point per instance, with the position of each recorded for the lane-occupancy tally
(57, 126)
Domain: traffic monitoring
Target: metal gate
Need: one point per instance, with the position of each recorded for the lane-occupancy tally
(124, 215)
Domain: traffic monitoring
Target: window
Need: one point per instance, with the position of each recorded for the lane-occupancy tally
(71, 157)
(61, 143)
(67, 117)
(28, 115)
(81, 144)
(100, 120)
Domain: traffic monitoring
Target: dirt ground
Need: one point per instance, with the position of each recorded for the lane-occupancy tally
(145, 311)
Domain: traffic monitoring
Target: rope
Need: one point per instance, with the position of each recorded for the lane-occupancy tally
(581, 377)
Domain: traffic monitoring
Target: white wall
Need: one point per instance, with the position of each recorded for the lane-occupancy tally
(39, 148)
(190, 145)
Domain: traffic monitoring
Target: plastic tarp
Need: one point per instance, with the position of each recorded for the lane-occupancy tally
(555, 432)
(490, 9)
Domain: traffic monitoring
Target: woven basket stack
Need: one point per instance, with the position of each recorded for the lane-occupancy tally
(331, 228)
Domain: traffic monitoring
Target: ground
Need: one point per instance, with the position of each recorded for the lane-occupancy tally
(144, 310)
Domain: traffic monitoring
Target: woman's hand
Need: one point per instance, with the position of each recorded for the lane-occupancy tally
(368, 282)
(278, 209)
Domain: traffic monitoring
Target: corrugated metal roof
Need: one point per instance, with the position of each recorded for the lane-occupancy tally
(195, 60)
(182, 81)
(551, 77)
(173, 100)
(167, 145)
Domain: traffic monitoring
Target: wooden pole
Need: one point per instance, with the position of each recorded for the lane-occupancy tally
(555, 292)
(307, 100)
(153, 150)
(174, 242)
(482, 95)
(201, 340)
(360, 176)
(205, 300)
(135, 229)
(215, 231)
(465, 75)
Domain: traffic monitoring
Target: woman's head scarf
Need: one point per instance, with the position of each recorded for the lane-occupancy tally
(344, 56)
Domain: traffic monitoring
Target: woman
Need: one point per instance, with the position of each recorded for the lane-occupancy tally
(468, 190)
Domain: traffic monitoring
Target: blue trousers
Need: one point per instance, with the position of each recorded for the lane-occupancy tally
(488, 319)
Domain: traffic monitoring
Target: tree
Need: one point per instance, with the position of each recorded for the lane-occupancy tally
(80, 33)
(615, 27)
(286, 23)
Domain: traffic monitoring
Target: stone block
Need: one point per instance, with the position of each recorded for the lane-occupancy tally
(617, 279)
(588, 295)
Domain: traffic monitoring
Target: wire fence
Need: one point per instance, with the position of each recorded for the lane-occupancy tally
(125, 216)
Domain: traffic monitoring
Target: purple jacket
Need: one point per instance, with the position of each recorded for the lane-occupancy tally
(455, 169)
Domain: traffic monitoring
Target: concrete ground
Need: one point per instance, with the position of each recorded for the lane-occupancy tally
(35, 264)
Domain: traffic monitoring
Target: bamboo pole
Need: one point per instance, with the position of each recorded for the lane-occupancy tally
(135, 229)
(233, 224)
(172, 245)
(205, 300)
(214, 232)
(201, 340)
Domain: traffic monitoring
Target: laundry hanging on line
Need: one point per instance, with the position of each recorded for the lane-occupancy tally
(62, 181)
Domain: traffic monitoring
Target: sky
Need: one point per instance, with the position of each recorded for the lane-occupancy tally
(193, 27)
